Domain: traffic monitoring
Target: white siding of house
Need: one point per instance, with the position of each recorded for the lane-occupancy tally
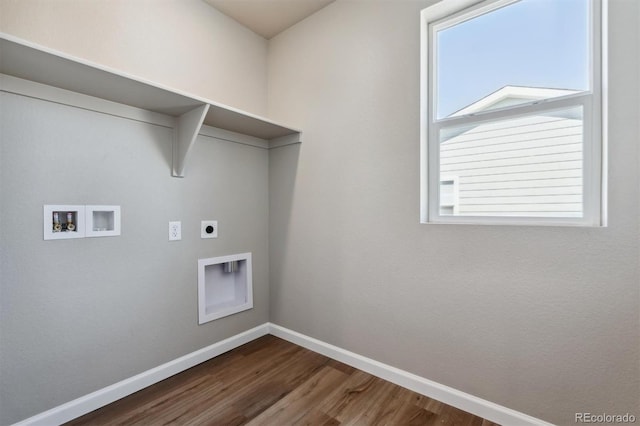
(530, 166)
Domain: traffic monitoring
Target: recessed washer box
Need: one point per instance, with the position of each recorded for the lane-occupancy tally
(63, 221)
(225, 286)
(102, 221)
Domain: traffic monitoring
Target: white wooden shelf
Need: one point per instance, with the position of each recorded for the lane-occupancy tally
(25, 60)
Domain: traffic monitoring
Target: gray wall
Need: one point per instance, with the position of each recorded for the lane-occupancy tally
(79, 315)
(544, 320)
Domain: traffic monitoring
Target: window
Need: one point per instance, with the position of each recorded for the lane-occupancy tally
(512, 111)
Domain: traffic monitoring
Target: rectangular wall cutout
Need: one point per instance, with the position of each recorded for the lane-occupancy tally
(225, 286)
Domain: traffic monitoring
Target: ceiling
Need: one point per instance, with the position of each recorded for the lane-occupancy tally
(268, 17)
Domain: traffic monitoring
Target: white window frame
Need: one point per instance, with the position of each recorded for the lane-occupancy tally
(594, 103)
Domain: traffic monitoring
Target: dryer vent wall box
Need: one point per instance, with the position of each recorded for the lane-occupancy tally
(225, 286)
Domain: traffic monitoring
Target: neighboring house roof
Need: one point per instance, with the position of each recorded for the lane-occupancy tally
(511, 95)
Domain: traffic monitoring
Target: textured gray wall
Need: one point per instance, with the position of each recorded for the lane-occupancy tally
(78, 315)
(544, 320)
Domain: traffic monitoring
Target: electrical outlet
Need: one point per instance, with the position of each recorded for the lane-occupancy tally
(175, 231)
(209, 229)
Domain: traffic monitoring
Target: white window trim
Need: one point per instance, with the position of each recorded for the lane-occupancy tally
(594, 105)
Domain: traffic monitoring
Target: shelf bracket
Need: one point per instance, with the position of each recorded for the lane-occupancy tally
(184, 135)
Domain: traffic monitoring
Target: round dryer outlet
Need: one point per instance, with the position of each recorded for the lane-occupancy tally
(209, 229)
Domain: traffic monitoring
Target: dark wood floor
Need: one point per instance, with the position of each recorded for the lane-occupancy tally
(273, 382)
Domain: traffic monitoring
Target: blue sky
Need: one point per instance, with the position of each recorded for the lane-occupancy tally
(540, 43)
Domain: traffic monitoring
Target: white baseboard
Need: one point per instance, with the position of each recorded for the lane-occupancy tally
(85, 404)
(464, 401)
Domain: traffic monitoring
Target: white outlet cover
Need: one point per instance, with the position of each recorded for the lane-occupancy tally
(204, 225)
(175, 231)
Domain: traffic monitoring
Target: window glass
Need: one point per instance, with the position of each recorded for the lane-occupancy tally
(526, 166)
(529, 44)
(448, 195)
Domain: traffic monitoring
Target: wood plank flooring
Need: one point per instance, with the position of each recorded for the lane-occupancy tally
(272, 382)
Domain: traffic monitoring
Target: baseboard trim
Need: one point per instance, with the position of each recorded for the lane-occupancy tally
(464, 401)
(85, 404)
